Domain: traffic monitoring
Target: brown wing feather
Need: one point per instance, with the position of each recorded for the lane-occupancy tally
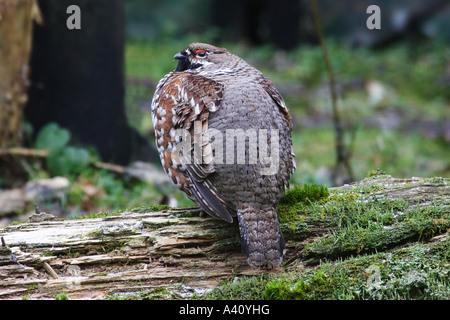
(276, 96)
(180, 100)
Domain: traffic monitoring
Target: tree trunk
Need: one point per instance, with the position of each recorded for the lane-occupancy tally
(138, 250)
(257, 22)
(16, 20)
(77, 78)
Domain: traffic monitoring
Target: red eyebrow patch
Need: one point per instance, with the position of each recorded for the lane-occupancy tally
(199, 51)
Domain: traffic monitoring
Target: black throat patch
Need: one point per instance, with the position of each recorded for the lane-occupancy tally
(184, 64)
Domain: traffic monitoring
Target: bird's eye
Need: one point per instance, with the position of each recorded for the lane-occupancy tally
(200, 53)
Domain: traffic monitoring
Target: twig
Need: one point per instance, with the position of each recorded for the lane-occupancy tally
(110, 167)
(50, 270)
(342, 155)
(27, 152)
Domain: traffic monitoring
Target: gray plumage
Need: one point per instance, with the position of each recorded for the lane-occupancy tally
(213, 91)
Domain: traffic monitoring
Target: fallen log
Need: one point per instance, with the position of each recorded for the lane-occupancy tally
(140, 250)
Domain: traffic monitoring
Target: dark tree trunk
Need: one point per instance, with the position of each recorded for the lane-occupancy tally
(77, 76)
(283, 24)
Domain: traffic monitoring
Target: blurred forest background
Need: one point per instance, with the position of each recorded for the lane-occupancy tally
(75, 126)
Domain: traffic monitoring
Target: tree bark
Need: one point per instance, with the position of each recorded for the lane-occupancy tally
(140, 251)
(16, 21)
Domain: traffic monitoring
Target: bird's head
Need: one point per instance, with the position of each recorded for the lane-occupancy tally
(199, 55)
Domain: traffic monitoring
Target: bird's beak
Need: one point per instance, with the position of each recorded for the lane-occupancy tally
(179, 56)
(184, 63)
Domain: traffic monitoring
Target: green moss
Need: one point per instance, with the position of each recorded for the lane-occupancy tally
(296, 201)
(141, 209)
(442, 250)
(374, 173)
(357, 222)
(32, 287)
(14, 223)
(438, 180)
(365, 227)
(243, 288)
(96, 215)
(152, 294)
(94, 234)
(151, 208)
(305, 194)
(414, 272)
(315, 286)
(61, 296)
(344, 196)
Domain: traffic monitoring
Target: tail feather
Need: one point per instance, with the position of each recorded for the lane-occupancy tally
(261, 237)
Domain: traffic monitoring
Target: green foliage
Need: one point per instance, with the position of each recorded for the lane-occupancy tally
(62, 159)
(112, 192)
(52, 137)
(90, 188)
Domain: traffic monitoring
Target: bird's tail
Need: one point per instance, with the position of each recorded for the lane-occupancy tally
(261, 237)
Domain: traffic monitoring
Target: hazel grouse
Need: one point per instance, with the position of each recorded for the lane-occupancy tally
(223, 133)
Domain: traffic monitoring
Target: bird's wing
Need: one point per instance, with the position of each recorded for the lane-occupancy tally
(276, 96)
(181, 108)
(269, 87)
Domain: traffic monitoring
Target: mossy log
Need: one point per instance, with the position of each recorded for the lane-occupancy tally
(140, 250)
